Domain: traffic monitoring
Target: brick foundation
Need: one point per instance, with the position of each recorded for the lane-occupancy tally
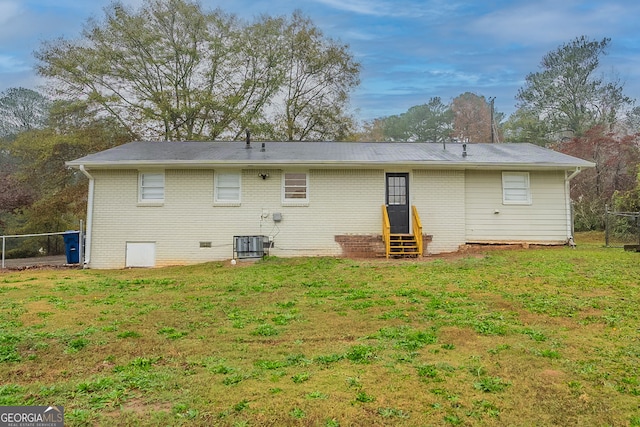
(426, 239)
(361, 245)
(367, 245)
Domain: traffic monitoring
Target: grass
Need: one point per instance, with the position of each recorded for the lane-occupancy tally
(518, 337)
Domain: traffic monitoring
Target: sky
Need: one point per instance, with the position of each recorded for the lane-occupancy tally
(409, 50)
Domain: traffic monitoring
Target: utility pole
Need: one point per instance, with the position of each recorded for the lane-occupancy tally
(491, 101)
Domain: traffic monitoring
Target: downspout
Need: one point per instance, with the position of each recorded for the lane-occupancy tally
(567, 192)
(87, 250)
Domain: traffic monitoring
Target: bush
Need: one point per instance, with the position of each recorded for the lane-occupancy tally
(588, 214)
(21, 253)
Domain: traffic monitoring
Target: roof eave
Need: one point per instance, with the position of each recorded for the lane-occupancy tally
(196, 164)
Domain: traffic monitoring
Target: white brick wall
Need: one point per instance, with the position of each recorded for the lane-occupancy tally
(340, 202)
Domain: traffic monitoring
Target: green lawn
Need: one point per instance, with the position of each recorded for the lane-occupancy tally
(517, 337)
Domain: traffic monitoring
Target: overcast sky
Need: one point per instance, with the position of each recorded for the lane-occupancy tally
(410, 50)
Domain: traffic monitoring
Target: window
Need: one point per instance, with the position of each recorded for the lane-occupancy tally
(295, 187)
(396, 189)
(515, 188)
(227, 187)
(151, 187)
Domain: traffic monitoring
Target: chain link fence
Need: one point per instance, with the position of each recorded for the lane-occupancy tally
(621, 228)
(40, 245)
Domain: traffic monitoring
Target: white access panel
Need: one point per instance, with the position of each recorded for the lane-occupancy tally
(141, 254)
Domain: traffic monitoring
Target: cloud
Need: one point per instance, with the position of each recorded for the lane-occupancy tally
(20, 79)
(381, 8)
(20, 25)
(552, 21)
(11, 64)
(8, 11)
(10, 14)
(410, 50)
(363, 7)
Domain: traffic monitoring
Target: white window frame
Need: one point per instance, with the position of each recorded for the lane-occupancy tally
(514, 192)
(146, 199)
(295, 201)
(217, 186)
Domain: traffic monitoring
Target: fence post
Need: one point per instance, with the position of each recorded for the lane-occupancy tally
(81, 245)
(572, 213)
(606, 225)
(3, 239)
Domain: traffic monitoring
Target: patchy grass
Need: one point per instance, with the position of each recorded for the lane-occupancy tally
(516, 337)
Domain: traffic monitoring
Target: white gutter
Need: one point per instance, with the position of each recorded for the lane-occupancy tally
(273, 164)
(87, 251)
(575, 172)
(567, 192)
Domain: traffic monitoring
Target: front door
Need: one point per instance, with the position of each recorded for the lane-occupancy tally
(397, 201)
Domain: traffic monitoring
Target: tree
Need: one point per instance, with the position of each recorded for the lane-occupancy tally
(472, 118)
(628, 201)
(631, 122)
(13, 194)
(172, 71)
(567, 93)
(168, 70)
(372, 130)
(57, 194)
(21, 110)
(616, 158)
(524, 125)
(427, 122)
(320, 73)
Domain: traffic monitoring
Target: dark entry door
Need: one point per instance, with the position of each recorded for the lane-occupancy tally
(397, 201)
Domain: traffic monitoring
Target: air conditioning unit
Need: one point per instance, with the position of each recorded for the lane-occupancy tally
(250, 246)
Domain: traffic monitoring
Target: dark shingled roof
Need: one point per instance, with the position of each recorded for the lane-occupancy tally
(336, 154)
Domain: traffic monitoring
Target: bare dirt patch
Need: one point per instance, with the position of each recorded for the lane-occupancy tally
(461, 337)
(551, 375)
(139, 406)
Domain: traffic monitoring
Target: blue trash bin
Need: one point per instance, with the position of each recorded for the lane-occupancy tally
(72, 246)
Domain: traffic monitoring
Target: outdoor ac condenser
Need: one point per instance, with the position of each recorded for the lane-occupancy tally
(250, 246)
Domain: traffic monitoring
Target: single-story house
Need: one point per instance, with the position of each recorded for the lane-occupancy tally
(168, 203)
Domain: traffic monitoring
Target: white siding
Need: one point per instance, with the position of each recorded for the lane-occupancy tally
(489, 220)
(439, 197)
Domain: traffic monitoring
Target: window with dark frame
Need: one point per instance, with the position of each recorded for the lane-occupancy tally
(397, 188)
